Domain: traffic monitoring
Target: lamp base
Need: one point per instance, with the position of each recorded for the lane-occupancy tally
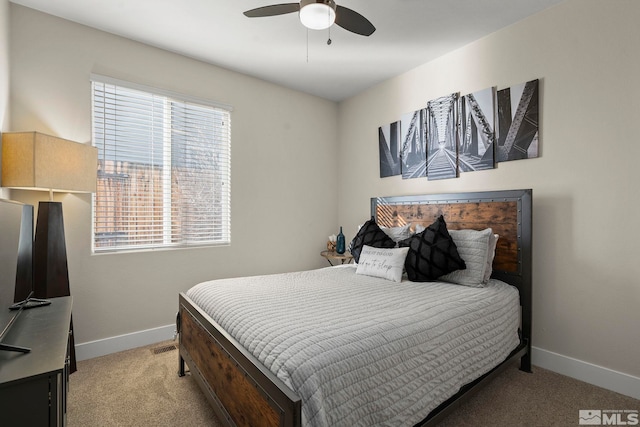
(50, 271)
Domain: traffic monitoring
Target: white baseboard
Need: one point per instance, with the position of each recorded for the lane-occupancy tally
(593, 374)
(91, 349)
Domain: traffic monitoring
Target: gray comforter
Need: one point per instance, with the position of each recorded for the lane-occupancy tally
(363, 351)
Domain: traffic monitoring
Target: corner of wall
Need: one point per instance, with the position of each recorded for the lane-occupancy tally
(4, 79)
(4, 65)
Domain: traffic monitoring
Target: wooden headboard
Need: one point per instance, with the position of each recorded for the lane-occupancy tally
(508, 213)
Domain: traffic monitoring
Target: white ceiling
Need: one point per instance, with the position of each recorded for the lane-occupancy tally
(279, 49)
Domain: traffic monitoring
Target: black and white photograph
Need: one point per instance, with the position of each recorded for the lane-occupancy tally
(389, 146)
(442, 139)
(477, 134)
(414, 144)
(517, 130)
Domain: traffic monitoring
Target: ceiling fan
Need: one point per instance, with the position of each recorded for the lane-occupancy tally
(318, 15)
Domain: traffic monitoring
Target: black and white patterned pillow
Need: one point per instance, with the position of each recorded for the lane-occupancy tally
(432, 253)
(370, 234)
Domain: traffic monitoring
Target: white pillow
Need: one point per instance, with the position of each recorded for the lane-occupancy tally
(398, 233)
(382, 262)
(491, 253)
(473, 249)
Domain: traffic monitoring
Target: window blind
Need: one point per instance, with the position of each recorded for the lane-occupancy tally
(163, 169)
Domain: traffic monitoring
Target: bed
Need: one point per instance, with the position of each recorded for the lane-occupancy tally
(248, 386)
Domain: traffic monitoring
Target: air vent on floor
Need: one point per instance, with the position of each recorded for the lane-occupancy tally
(164, 349)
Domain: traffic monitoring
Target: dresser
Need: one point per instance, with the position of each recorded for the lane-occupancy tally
(33, 386)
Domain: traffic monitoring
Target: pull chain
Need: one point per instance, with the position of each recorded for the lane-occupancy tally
(329, 27)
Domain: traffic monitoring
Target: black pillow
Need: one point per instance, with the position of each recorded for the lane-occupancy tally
(432, 253)
(370, 234)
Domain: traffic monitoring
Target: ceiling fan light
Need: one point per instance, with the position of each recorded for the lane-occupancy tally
(318, 15)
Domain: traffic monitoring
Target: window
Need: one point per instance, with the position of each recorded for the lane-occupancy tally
(163, 169)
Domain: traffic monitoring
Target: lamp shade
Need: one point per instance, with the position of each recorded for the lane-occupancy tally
(317, 14)
(35, 161)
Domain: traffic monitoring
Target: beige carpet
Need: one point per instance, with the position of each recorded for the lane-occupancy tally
(140, 388)
(136, 388)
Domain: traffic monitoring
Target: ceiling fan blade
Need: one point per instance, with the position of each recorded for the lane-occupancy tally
(273, 10)
(352, 21)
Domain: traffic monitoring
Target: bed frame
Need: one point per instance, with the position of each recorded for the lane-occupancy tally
(244, 393)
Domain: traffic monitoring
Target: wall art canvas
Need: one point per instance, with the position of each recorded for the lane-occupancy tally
(476, 133)
(517, 129)
(442, 137)
(389, 146)
(414, 145)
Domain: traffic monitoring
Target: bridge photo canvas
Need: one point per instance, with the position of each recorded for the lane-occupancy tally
(414, 146)
(442, 137)
(517, 129)
(389, 147)
(477, 136)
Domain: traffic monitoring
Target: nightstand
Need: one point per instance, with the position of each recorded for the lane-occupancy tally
(344, 258)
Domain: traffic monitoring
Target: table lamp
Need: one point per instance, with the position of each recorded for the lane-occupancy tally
(35, 161)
